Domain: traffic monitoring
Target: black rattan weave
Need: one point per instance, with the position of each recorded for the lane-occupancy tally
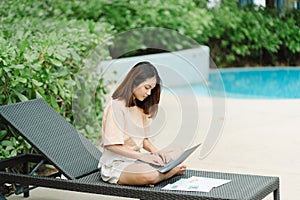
(49, 133)
(75, 157)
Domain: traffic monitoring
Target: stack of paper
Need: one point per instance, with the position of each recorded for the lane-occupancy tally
(194, 183)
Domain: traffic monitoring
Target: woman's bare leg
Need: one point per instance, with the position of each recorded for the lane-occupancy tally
(144, 174)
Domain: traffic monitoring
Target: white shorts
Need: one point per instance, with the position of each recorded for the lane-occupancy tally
(112, 165)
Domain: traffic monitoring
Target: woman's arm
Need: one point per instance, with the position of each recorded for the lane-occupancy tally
(147, 145)
(123, 151)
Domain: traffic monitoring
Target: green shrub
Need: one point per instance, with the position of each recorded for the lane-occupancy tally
(253, 36)
(236, 36)
(71, 9)
(185, 17)
(12, 145)
(39, 58)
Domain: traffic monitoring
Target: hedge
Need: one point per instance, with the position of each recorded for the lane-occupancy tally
(40, 58)
(236, 36)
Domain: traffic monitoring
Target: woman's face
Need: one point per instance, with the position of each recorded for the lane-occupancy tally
(143, 90)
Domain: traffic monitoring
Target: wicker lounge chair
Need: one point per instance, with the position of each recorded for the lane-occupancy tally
(76, 159)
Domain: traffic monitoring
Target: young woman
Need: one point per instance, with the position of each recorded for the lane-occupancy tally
(125, 131)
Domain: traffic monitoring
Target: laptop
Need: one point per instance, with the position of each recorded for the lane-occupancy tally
(173, 163)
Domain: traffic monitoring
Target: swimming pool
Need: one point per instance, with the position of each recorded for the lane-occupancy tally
(250, 83)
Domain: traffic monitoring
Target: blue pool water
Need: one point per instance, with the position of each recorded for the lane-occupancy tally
(258, 83)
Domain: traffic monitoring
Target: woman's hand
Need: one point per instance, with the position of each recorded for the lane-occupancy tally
(163, 155)
(153, 159)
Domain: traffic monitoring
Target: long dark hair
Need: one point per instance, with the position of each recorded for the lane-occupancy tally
(138, 74)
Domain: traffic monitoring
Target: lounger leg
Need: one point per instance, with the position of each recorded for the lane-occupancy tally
(25, 188)
(276, 195)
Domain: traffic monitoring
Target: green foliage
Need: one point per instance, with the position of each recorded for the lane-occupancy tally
(253, 36)
(12, 146)
(181, 16)
(40, 58)
(71, 9)
(236, 36)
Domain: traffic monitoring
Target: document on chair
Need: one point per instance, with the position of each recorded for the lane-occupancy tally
(195, 183)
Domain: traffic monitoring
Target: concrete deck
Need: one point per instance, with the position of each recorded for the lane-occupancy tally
(258, 137)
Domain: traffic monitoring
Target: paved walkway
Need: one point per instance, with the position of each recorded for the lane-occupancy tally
(259, 137)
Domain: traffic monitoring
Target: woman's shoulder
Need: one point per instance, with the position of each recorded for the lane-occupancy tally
(114, 105)
(117, 103)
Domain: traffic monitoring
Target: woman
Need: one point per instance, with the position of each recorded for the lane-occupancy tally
(125, 131)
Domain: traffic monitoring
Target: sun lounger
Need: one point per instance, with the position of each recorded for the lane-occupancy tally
(76, 160)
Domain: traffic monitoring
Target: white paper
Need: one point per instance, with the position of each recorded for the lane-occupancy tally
(194, 183)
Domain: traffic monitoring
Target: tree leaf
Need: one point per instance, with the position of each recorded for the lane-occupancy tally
(3, 134)
(13, 153)
(38, 95)
(37, 83)
(6, 143)
(56, 62)
(54, 103)
(21, 96)
(21, 80)
(20, 66)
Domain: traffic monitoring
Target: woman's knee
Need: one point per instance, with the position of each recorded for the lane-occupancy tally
(150, 177)
(142, 174)
(139, 178)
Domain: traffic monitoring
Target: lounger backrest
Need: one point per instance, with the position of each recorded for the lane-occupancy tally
(55, 138)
